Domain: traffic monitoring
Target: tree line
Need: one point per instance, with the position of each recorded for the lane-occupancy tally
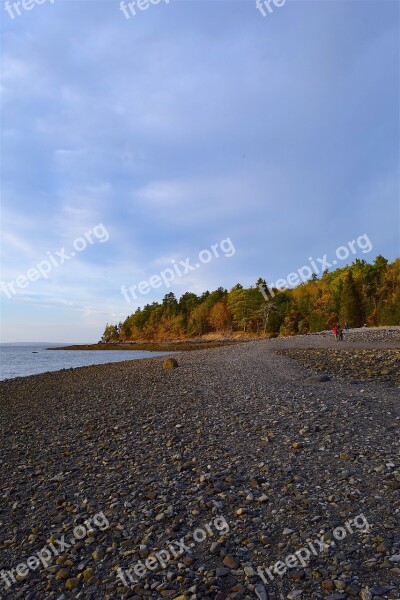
(360, 294)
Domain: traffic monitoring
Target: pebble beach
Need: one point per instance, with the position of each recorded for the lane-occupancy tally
(227, 465)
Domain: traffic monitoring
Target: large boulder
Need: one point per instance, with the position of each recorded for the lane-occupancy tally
(170, 363)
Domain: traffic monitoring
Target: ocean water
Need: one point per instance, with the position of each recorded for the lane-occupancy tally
(20, 360)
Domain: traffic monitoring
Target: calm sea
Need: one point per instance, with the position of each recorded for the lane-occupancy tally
(19, 360)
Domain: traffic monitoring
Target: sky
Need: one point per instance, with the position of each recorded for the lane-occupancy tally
(139, 143)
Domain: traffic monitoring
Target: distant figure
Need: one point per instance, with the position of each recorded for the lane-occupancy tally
(346, 326)
(335, 331)
(340, 334)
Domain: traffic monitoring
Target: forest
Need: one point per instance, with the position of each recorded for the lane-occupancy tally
(359, 294)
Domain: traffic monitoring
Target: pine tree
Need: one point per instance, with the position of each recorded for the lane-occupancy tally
(350, 303)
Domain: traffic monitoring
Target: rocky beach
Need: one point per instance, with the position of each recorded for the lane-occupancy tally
(268, 469)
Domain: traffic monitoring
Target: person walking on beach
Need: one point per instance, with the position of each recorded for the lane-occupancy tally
(335, 331)
(340, 333)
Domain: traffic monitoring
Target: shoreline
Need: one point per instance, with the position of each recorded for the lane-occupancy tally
(305, 349)
(215, 341)
(177, 346)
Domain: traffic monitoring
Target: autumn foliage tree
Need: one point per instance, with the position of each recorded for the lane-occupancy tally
(219, 316)
(359, 293)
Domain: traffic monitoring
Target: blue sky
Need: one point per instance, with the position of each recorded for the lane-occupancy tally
(189, 123)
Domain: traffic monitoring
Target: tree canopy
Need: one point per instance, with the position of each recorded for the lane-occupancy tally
(360, 293)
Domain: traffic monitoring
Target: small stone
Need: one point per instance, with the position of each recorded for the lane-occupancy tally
(98, 554)
(231, 562)
(239, 588)
(380, 590)
(72, 583)
(63, 574)
(318, 379)
(353, 589)
(296, 574)
(339, 585)
(265, 540)
(297, 445)
(328, 584)
(143, 551)
(262, 499)
(215, 547)
(88, 574)
(294, 595)
(261, 592)
(395, 558)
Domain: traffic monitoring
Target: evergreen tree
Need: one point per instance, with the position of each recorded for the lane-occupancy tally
(350, 303)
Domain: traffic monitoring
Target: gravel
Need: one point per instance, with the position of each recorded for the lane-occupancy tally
(243, 443)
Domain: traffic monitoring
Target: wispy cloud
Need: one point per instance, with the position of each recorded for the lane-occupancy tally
(184, 126)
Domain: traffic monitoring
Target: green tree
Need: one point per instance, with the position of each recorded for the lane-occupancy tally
(111, 333)
(350, 303)
(198, 321)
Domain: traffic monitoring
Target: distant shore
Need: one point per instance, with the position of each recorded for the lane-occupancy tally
(178, 346)
(216, 341)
